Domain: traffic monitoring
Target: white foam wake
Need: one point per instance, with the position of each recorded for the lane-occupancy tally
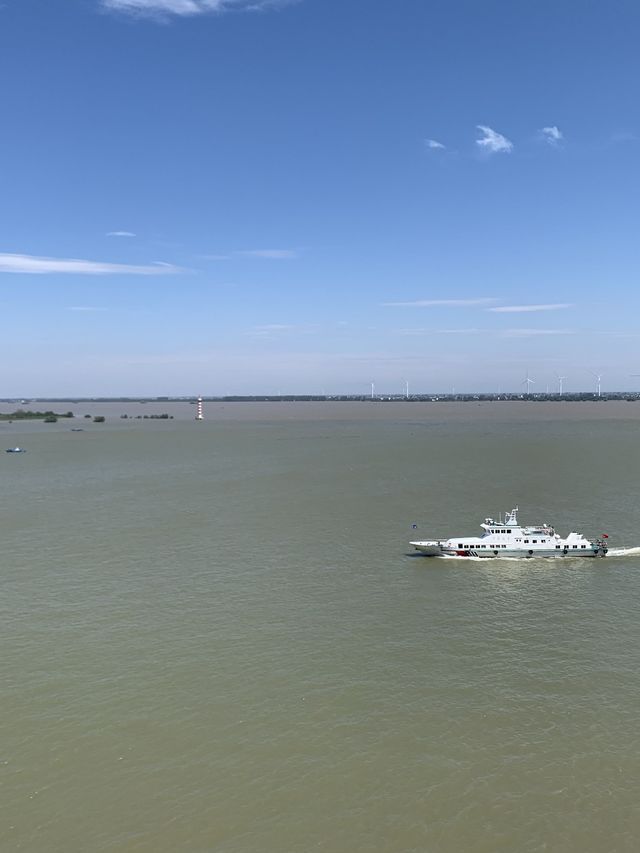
(623, 552)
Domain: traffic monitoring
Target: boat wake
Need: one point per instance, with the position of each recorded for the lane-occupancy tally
(623, 552)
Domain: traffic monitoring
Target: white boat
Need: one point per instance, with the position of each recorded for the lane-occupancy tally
(15, 450)
(507, 538)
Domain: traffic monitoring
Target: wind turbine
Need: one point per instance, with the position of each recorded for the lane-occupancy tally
(598, 377)
(528, 382)
(560, 381)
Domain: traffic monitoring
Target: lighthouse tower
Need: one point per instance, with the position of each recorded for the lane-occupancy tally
(199, 412)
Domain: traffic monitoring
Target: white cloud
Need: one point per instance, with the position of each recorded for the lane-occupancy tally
(446, 303)
(186, 8)
(624, 136)
(431, 331)
(434, 144)
(552, 135)
(274, 327)
(120, 234)
(85, 308)
(272, 330)
(458, 331)
(271, 254)
(492, 141)
(526, 309)
(40, 266)
(532, 333)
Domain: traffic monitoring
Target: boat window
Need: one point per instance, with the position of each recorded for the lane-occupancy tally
(459, 544)
(535, 541)
(583, 546)
(575, 546)
(504, 546)
(526, 541)
(508, 531)
(557, 547)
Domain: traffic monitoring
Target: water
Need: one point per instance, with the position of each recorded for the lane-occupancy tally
(215, 638)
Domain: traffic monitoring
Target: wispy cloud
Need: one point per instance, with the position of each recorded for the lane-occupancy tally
(87, 309)
(431, 331)
(270, 254)
(120, 234)
(552, 135)
(274, 327)
(186, 8)
(41, 266)
(434, 144)
(527, 309)
(271, 330)
(533, 333)
(493, 142)
(624, 136)
(445, 303)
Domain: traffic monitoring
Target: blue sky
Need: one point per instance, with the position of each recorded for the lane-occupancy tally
(200, 196)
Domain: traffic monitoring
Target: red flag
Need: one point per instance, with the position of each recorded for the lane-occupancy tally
(605, 535)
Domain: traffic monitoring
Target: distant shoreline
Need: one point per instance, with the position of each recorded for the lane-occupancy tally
(567, 397)
(167, 414)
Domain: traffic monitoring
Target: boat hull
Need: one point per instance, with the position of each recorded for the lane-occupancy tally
(436, 549)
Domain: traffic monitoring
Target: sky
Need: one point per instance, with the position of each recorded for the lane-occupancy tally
(236, 196)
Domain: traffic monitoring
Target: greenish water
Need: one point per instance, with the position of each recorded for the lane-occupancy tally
(214, 637)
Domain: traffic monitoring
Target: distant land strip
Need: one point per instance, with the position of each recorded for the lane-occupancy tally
(566, 397)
